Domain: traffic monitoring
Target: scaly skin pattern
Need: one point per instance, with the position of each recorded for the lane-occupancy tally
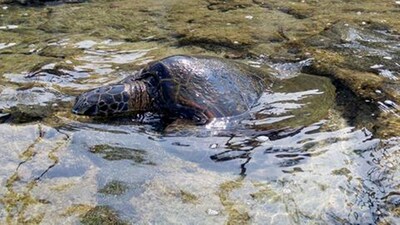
(113, 99)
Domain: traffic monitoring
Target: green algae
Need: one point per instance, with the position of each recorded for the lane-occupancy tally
(112, 153)
(265, 193)
(102, 215)
(80, 209)
(343, 172)
(188, 197)
(114, 188)
(237, 213)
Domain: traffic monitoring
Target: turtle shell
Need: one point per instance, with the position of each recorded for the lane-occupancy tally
(201, 88)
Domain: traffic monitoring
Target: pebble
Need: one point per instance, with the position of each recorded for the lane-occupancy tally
(262, 138)
(378, 91)
(389, 102)
(249, 17)
(212, 212)
(214, 146)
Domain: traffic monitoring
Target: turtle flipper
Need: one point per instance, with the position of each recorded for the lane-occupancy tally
(195, 115)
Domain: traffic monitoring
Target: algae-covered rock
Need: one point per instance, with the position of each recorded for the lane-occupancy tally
(364, 60)
(101, 215)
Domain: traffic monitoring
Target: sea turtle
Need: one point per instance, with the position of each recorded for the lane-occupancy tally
(197, 88)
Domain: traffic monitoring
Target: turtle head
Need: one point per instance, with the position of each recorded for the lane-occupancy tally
(102, 101)
(112, 99)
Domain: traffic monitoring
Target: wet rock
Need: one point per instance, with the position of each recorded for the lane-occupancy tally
(28, 104)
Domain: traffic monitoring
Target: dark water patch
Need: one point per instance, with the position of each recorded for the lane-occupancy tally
(295, 13)
(356, 110)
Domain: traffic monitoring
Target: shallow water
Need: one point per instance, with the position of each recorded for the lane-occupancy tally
(312, 151)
